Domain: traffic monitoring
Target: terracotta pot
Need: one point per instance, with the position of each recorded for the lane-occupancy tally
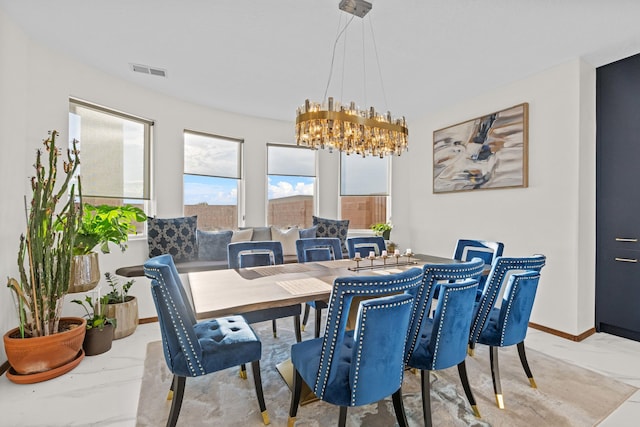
(85, 273)
(98, 341)
(39, 354)
(126, 315)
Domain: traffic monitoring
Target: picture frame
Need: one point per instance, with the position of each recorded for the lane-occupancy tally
(488, 152)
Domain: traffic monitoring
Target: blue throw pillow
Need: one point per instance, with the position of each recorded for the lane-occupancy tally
(212, 245)
(308, 233)
(333, 228)
(174, 236)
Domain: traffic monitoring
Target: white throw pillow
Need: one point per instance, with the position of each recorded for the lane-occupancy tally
(287, 238)
(242, 235)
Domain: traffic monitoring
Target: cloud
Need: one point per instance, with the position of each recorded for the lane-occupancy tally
(290, 186)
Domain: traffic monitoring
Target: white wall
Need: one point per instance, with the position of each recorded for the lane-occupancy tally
(553, 216)
(36, 84)
(13, 164)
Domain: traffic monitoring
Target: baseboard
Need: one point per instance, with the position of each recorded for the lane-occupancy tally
(147, 320)
(561, 334)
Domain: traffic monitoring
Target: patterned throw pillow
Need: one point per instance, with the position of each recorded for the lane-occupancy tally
(212, 245)
(333, 228)
(174, 236)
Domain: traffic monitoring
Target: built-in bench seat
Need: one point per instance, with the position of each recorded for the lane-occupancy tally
(210, 247)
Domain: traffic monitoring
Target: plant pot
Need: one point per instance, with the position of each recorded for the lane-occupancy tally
(85, 273)
(386, 234)
(98, 341)
(126, 315)
(39, 354)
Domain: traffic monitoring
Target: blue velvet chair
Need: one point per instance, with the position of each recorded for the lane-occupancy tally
(364, 245)
(516, 279)
(443, 340)
(193, 348)
(349, 368)
(488, 251)
(421, 350)
(317, 249)
(262, 253)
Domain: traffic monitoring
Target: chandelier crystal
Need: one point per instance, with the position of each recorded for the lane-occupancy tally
(347, 128)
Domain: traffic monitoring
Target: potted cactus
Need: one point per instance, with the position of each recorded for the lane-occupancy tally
(45, 344)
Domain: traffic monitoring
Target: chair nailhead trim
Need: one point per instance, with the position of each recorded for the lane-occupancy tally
(342, 288)
(193, 361)
(495, 283)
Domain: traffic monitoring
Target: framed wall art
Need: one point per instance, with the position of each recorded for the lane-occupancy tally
(483, 153)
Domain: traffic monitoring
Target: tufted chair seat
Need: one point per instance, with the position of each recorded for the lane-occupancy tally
(192, 348)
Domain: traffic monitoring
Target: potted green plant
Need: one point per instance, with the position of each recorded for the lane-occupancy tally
(100, 226)
(100, 327)
(382, 229)
(45, 345)
(121, 306)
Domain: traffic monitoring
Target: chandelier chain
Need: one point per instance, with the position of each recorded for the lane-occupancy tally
(333, 57)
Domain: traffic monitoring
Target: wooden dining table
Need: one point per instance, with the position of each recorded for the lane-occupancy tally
(235, 291)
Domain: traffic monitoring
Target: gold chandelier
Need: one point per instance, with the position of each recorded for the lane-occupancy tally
(346, 128)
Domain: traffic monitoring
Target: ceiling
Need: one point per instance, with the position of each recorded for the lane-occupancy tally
(263, 58)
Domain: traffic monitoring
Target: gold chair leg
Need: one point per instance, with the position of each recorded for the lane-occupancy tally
(499, 401)
(476, 411)
(170, 395)
(533, 382)
(291, 421)
(243, 372)
(265, 418)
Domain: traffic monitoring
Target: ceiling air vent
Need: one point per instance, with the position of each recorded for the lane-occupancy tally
(145, 69)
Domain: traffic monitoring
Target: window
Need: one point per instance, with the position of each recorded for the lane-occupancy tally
(291, 181)
(212, 178)
(115, 155)
(364, 190)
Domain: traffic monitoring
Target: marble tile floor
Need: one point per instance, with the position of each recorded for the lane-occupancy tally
(103, 390)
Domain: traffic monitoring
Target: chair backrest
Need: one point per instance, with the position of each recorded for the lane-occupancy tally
(254, 253)
(182, 350)
(436, 274)
(515, 310)
(364, 245)
(501, 270)
(467, 249)
(318, 249)
(451, 321)
(377, 361)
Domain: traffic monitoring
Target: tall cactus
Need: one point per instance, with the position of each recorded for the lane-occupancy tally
(46, 249)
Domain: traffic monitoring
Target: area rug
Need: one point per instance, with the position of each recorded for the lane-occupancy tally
(567, 395)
